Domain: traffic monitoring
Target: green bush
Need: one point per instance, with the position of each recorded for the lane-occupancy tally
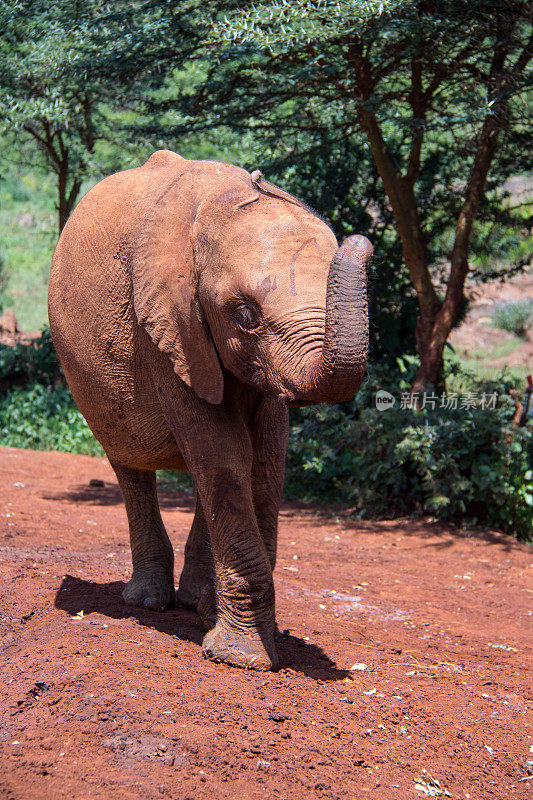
(514, 316)
(29, 363)
(45, 418)
(456, 464)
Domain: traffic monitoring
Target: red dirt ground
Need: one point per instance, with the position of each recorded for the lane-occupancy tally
(119, 703)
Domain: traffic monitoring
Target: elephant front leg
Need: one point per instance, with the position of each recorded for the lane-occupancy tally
(245, 627)
(245, 624)
(269, 431)
(268, 424)
(197, 581)
(216, 444)
(152, 583)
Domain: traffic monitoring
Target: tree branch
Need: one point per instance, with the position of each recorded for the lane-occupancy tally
(399, 192)
(418, 102)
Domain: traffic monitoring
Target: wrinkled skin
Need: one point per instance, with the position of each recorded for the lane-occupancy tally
(190, 303)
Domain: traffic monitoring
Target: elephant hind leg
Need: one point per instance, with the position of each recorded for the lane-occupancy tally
(197, 581)
(152, 583)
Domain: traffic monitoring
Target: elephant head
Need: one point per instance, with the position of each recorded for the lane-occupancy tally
(232, 270)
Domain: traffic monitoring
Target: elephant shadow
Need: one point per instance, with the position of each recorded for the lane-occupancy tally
(76, 595)
(107, 493)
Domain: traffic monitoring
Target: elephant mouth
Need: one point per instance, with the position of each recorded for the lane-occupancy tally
(288, 397)
(296, 400)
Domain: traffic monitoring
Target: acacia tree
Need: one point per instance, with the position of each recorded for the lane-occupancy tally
(43, 102)
(72, 72)
(435, 89)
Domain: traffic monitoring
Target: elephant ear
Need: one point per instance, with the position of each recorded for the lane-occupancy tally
(164, 290)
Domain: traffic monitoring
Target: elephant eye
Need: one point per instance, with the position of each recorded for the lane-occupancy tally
(246, 318)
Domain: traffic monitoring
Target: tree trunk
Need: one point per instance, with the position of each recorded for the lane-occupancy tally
(62, 210)
(400, 191)
(401, 195)
(499, 79)
(436, 318)
(431, 352)
(66, 198)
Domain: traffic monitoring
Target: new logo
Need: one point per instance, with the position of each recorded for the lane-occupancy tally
(384, 400)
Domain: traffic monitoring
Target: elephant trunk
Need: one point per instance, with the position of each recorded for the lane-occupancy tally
(341, 364)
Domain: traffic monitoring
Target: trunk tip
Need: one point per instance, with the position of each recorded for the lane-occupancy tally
(360, 245)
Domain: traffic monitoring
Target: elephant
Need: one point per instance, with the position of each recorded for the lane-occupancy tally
(191, 303)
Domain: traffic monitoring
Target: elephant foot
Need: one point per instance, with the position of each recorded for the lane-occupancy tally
(202, 601)
(187, 594)
(238, 648)
(207, 606)
(197, 592)
(150, 588)
(193, 579)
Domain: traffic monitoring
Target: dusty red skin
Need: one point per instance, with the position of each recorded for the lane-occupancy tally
(123, 682)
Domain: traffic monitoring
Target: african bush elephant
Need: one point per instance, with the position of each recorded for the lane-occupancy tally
(190, 303)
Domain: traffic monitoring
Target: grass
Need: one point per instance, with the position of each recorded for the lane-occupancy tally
(480, 362)
(485, 372)
(515, 316)
(503, 349)
(28, 233)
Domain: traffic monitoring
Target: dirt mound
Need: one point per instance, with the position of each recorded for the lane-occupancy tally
(406, 653)
(10, 332)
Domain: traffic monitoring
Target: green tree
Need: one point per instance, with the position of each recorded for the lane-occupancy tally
(74, 75)
(42, 102)
(51, 111)
(434, 92)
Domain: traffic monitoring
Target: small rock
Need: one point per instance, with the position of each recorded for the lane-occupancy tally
(277, 717)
